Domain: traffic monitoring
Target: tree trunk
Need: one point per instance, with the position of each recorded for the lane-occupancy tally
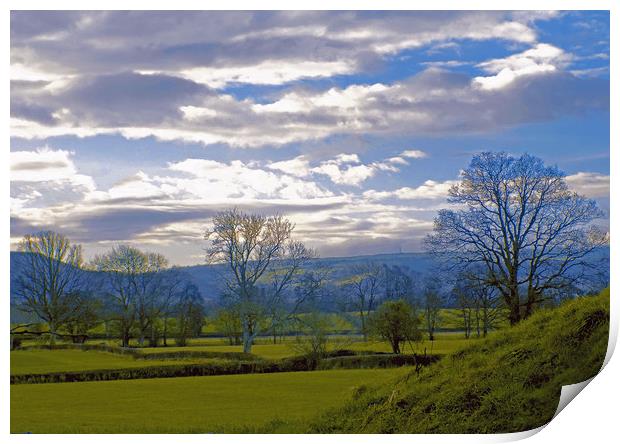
(514, 304)
(52, 327)
(529, 305)
(364, 332)
(153, 339)
(247, 337)
(125, 335)
(396, 347)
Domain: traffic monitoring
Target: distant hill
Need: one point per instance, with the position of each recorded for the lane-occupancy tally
(208, 277)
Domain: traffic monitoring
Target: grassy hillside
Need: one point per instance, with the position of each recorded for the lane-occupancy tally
(509, 382)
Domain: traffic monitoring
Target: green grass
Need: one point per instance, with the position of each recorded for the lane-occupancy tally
(48, 361)
(508, 383)
(183, 405)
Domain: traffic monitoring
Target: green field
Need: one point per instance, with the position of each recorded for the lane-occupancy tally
(48, 361)
(183, 405)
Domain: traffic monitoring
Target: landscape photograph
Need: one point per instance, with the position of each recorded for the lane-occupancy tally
(306, 222)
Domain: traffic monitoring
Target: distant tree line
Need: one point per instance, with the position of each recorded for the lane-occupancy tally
(129, 292)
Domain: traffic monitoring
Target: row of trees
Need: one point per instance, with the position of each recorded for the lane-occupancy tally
(130, 292)
(516, 237)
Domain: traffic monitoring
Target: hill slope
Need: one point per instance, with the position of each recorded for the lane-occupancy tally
(508, 383)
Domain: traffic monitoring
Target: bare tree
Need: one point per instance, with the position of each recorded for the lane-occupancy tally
(250, 245)
(398, 283)
(433, 301)
(363, 288)
(284, 276)
(134, 285)
(86, 315)
(310, 290)
(164, 290)
(488, 308)
(190, 314)
(518, 219)
(50, 279)
(467, 302)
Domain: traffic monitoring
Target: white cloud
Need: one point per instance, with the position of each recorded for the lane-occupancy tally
(430, 189)
(347, 169)
(343, 158)
(298, 167)
(414, 154)
(539, 59)
(268, 72)
(215, 180)
(47, 165)
(593, 185)
(349, 98)
(195, 112)
(348, 175)
(138, 186)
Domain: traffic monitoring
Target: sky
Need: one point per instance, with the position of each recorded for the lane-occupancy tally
(137, 127)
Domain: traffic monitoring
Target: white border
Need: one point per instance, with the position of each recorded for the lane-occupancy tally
(593, 417)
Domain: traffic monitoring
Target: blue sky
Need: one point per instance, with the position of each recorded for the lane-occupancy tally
(137, 127)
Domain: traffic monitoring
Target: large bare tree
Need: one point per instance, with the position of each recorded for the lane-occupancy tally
(254, 247)
(50, 279)
(518, 219)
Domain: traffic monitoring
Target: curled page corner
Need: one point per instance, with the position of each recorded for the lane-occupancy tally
(568, 394)
(517, 436)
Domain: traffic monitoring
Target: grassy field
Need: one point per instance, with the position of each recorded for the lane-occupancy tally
(48, 361)
(183, 405)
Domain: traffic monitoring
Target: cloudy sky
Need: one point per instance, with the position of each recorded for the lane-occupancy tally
(137, 126)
